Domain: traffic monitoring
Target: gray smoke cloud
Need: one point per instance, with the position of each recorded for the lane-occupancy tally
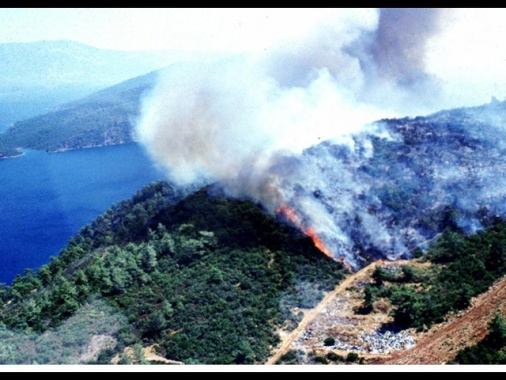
(398, 45)
(393, 59)
(244, 121)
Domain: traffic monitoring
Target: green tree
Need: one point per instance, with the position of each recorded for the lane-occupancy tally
(491, 350)
(497, 332)
(408, 273)
(379, 275)
(369, 298)
(329, 341)
(148, 258)
(351, 357)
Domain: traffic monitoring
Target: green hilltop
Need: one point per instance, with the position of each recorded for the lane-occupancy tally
(206, 279)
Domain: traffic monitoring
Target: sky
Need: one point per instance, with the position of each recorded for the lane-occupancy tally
(468, 51)
(202, 29)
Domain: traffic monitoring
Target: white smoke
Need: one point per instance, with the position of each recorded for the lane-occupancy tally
(243, 121)
(220, 119)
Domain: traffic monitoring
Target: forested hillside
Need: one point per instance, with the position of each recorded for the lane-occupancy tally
(103, 118)
(206, 279)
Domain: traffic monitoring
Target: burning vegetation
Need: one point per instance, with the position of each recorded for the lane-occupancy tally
(292, 217)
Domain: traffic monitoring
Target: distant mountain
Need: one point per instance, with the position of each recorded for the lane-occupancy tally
(103, 118)
(36, 76)
(51, 64)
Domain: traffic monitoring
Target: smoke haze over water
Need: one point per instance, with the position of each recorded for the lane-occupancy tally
(243, 122)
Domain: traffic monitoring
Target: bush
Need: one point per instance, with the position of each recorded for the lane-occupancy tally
(329, 341)
(291, 357)
(320, 360)
(334, 357)
(352, 357)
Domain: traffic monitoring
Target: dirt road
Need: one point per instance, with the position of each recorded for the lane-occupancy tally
(311, 314)
(437, 346)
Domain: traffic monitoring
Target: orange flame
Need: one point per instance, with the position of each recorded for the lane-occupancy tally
(294, 218)
(317, 241)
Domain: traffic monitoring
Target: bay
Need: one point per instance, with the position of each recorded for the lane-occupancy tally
(45, 198)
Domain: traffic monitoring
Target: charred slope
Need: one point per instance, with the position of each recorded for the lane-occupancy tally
(403, 181)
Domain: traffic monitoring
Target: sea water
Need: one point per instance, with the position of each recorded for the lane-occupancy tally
(45, 198)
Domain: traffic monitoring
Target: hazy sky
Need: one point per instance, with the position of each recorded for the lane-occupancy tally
(158, 28)
(469, 51)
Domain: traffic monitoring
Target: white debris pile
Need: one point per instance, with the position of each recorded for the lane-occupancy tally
(345, 346)
(380, 342)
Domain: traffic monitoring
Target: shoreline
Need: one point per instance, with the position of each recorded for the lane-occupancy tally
(21, 151)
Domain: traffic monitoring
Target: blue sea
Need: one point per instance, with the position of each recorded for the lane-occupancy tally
(45, 198)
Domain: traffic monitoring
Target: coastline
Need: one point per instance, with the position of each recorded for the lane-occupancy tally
(62, 150)
(21, 151)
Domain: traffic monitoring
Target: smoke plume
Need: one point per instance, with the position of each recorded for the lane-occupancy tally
(244, 122)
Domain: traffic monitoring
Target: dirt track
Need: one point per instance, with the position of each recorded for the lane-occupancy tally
(311, 314)
(437, 346)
